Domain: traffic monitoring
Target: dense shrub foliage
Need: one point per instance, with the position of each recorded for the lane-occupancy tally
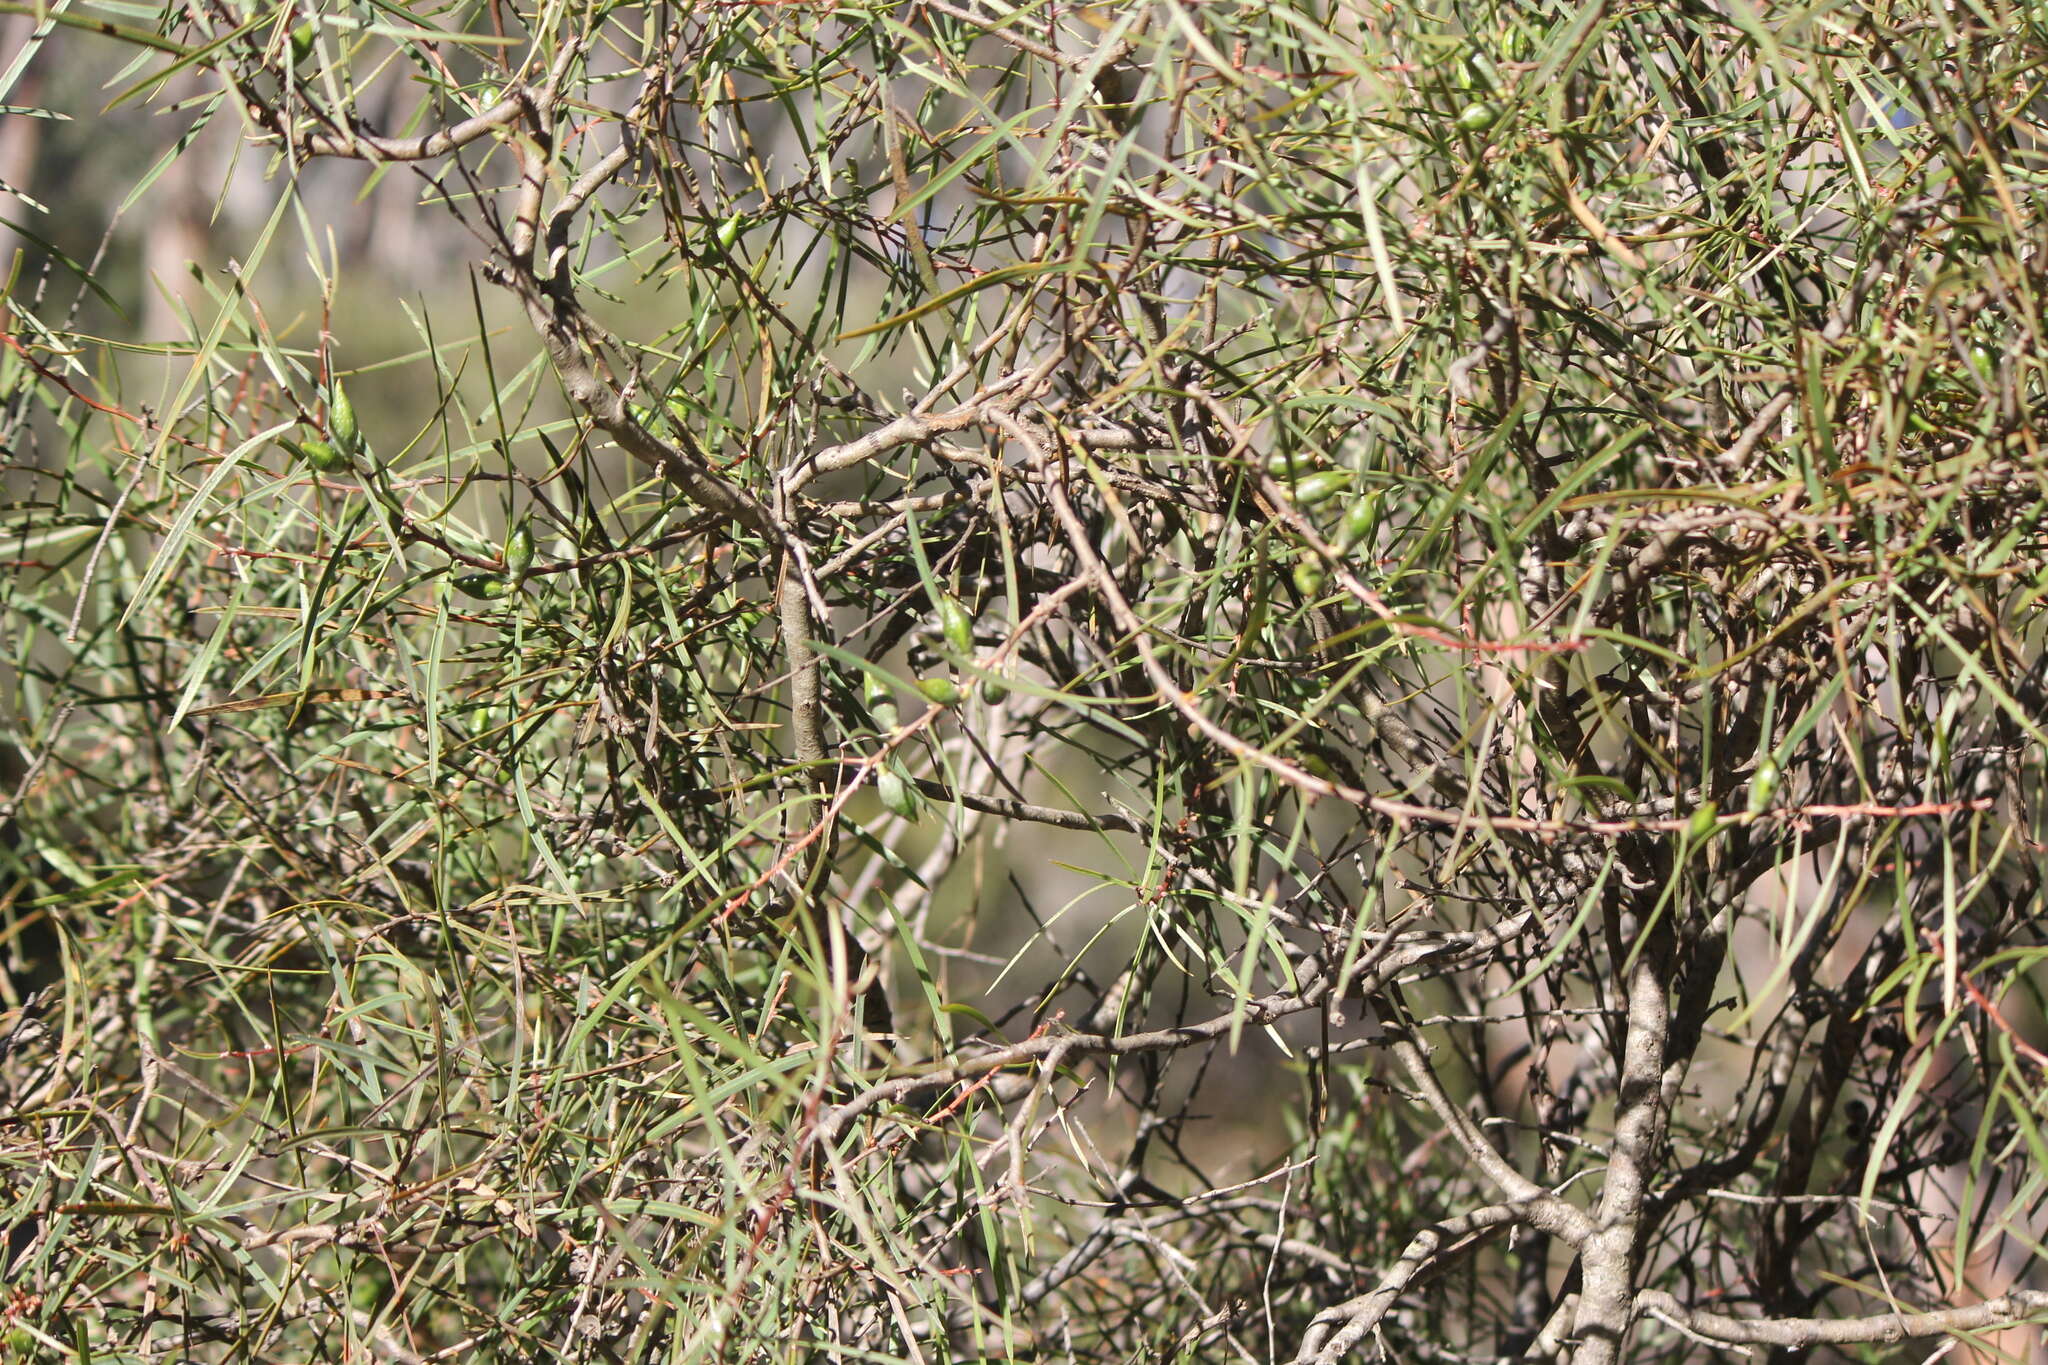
(940, 682)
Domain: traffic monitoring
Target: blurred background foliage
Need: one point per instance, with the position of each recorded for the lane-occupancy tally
(958, 682)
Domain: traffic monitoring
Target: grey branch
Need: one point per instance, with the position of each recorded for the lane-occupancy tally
(1610, 1255)
(2020, 1305)
(1327, 1341)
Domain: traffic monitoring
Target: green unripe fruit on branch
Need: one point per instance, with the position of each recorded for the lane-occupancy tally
(302, 42)
(1476, 72)
(341, 422)
(956, 625)
(899, 797)
(1763, 785)
(1319, 488)
(488, 586)
(323, 458)
(1477, 118)
(1287, 466)
(880, 700)
(944, 691)
(519, 551)
(1309, 576)
(1359, 520)
(1704, 822)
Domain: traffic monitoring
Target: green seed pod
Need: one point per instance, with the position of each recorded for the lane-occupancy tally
(993, 691)
(1286, 466)
(1983, 362)
(341, 422)
(1763, 785)
(488, 586)
(519, 551)
(302, 42)
(1309, 575)
(729, 231)
(323, 458)
(1704, 822)
(944, 691)
(1476, 72)
(1317, 488)
(956, 625)
(880, 700)
(899, 797)
(1360, 519)
(1477, 118)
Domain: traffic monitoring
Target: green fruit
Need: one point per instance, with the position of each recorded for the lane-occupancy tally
(1287, 466)
(1360, 519)
(880, 700)
(898, 796)
(1476, 72)
(341, 422)
(1477, 118)
(1983, 361)
(1322, 487)
(729, 230)
(488, 586)
(302, 42)
(993, 691)
(1309, 576)
(1763, 785)
(956, 625)
(944, 691)
(519, 551)
(1704, 822)
(324, 458)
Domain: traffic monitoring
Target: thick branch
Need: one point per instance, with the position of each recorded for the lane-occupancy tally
(2019, 1306)
(1609, 1256)
(365, 146)
(1429, 1248)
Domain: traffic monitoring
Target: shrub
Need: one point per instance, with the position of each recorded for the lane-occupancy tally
(934, 682)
